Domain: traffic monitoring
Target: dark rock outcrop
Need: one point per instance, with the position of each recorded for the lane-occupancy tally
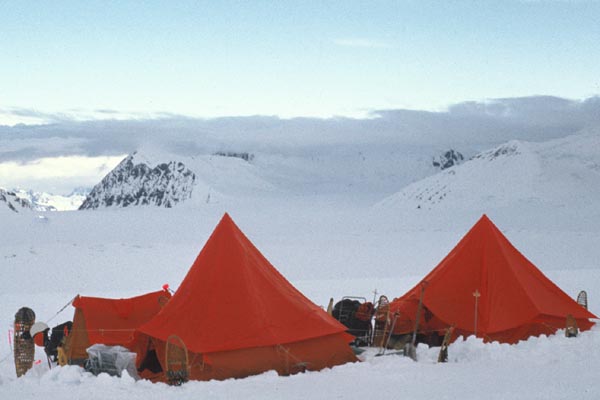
(12, 201)
(131, 184)
(448, 159)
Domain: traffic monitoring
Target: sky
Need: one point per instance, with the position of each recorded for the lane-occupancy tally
(168, 73)
(120, 60)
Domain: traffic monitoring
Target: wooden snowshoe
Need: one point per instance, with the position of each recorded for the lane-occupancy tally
(571, 330)
(443, 357)
(178, 371)
(582, 299)
(382, 321)
(62, 356)
(24, 350)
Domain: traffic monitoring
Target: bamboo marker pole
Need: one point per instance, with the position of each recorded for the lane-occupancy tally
(413, 348)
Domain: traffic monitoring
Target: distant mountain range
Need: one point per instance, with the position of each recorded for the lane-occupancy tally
(42, 201)
(166, 180)
(562, 172)
(9, 201)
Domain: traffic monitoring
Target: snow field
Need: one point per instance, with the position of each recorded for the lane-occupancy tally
(331, 244)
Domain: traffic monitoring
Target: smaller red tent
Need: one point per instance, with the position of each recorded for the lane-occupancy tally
(486, 286)
(238, 316)
(109, 321)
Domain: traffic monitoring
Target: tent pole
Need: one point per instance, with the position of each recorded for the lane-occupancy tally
(476, 294)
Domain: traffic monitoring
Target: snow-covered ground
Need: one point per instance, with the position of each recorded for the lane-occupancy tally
(541, 368)
(331, 243)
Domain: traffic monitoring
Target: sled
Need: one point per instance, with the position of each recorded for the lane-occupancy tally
(443, 356)
(176, 357)
(24, 350)
(571, 330)
(382, 321)
(582, 299)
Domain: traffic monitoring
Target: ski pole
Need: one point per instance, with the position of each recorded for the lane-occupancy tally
(389, 335)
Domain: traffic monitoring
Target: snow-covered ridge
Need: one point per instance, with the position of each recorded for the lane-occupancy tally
(243, 155)
(511, 148)
(491, 176)
(9, 200)
(138, 183)
(559, 173)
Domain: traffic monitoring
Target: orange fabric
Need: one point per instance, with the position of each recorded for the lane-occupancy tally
(310, 355)
(233, 299)
(516, 300)
(77, 341)
(113, 321)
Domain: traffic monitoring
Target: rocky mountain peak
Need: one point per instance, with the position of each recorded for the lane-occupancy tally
(131, 183)
(12, 201)
(447, 159)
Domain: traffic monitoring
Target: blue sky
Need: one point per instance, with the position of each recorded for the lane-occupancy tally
(291, 58)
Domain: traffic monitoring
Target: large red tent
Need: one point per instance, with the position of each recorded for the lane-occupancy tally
(486, 286)
(238, 316)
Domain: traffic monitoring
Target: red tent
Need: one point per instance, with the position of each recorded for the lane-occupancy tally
(486, 286)
(109, 321)
(239, 316)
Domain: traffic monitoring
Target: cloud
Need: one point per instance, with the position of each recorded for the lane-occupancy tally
(14, 116)
(57, 174)
(61, 147)
(475, 124)
(361, 43)
(106, 111)
(11, 116)
(495, 121)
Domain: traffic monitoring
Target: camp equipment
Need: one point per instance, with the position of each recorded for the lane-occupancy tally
(356, 313)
